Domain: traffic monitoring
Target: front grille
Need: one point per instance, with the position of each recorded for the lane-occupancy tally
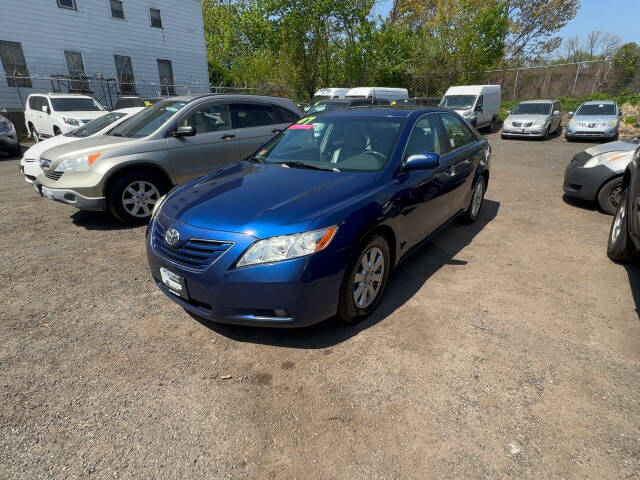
(522, 124)
(195, 254)
(53, 175)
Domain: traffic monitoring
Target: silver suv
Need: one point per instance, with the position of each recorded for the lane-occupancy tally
(130, 168)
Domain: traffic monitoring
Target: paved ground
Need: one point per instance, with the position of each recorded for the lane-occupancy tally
(506, 349)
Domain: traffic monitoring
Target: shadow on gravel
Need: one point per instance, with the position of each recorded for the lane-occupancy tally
(98, 221)
(577, 202)
(633, 271)
(405, 281)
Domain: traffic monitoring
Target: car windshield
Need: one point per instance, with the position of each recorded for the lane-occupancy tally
(94, 126)
(321, 107)
(532, 109)
(597, 109)
(317, 98)
(148, 120)
(76, 104)
(458, 102)
(339, 144)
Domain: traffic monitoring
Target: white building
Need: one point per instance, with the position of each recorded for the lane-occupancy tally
(111, 48)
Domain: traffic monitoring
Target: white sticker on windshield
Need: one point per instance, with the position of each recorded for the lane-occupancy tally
(453, 144)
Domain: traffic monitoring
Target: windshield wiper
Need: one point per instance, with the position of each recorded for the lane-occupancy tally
(254, 159)
(298, 164)
(114, 134)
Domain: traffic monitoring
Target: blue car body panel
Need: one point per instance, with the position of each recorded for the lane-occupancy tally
(245, 202)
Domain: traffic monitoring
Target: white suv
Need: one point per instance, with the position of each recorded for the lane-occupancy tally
(52, 114)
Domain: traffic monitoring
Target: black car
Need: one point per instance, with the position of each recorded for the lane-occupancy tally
(342, 103)
(131, 102)
(418, 101)
(624, 237)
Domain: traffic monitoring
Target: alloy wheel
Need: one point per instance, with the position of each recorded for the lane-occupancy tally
(367, 281)
(614, 196)
(617, 224)
(476, 201)
(139, 197)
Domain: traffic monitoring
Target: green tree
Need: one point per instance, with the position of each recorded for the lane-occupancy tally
(626, 60)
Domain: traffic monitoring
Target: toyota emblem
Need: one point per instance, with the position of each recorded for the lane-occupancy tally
(172, 236)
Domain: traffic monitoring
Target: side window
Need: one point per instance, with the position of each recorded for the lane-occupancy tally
(424, 137)
(34, 103)
(480, 101)
(208, 118)
(458, 133)
(284, 115)
(45, 103)
(245, 115)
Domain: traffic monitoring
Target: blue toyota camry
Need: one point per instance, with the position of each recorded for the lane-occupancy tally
(311, 225)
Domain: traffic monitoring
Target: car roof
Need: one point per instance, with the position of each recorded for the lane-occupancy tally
(600, 102)
(382, 111)
(73, 95)
(538, 101)
(233, 96)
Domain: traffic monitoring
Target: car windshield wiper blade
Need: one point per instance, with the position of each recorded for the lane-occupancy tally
(255, 159)
(298, 164)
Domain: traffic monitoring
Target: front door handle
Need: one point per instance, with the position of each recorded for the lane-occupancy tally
(227, 137)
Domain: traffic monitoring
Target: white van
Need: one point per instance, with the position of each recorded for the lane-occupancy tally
(328, 94)
(478, 104)
(379, 92)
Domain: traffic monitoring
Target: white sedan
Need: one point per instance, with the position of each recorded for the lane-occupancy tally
(30, 164)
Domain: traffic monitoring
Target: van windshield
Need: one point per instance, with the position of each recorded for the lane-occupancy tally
(148, 120)
(532, 109)
(458, 102)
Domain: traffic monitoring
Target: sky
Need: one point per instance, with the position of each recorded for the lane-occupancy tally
(621, 17)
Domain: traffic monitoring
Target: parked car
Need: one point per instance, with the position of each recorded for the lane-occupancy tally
(624, 236)
(336, 202)
(328, 94)
(46, 115)
(387, 93)
(534, 118)
(8, 137)
(30, 162)
(327, 105)
(168, 143)
(418, 101)
(131, 102)
(478, 104)
(596, 174)
(594, 120)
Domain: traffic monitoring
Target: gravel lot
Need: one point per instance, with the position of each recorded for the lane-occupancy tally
(505, 349)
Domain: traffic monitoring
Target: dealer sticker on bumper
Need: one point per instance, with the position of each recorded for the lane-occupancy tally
(174, 282)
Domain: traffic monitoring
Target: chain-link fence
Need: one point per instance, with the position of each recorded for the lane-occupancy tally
(547, 81)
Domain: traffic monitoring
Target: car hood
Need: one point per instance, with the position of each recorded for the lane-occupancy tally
(37, 149)
(526, 118)
(263, 200)
(594, 118)
(83, 115)
(617, 146)
(86, 145)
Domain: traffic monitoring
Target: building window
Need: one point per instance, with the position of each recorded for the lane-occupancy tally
(125, 74)
(14, 64)
(156, 18)
(75, 65)
(117, 9)
(70, 4)
(166, 77)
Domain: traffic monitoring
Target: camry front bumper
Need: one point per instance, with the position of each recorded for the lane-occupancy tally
(290, 293)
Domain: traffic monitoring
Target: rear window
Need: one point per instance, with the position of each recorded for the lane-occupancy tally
(245, 115)
(597, 109)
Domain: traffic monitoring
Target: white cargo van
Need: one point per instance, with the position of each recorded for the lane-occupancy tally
(328, 94)
(378, 92)
(478, 104)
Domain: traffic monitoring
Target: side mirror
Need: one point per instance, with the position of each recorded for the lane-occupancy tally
(556, 112)
(478, 108)
(571, 114)
(45, 109)
(184, 131)
(422, 161)
(508, 112)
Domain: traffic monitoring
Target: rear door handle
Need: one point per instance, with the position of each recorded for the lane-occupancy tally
(227, 137)
(276, 130)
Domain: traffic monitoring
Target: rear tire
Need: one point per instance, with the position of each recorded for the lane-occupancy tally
(132, 196)
(365, 280)
(546, 133)
(620, 248)
(472, 212)
(35, 136)
(609, 196)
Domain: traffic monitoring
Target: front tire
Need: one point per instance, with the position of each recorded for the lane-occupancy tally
(609, 196)
(132, 196)
(475, 204)
(620, 248)
(365, 280)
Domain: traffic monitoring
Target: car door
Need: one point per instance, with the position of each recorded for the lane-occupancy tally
(255, 123)
(556, 117)
(481, 111)
(465, 153)
(425, 196)
(47, 118)
(35, 104)
(214, 145)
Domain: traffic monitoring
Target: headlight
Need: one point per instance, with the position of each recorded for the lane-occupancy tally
(612, 123)
(540, 123)
(603, 158)
(467, 113)
(275, 249)
(157, 206)
(78, 164)
(70, 121)
(573, 123)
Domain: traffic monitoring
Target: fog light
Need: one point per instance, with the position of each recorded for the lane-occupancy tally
(70, 197)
